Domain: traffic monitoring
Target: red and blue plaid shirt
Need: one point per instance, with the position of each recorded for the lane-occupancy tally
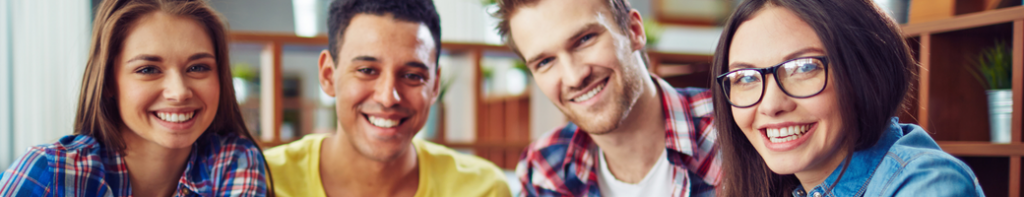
(564, 163)
(77, 165)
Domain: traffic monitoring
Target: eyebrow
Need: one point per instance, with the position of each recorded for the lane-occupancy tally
(579, 32)
(417, 65)
(145, 57)
(798, 53)
(154, 58)
(374, 59)
(364, 58)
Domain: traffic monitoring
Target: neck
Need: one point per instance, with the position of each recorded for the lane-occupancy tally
(813, 177)
(635, 146)
(154, 170)
(362, 176)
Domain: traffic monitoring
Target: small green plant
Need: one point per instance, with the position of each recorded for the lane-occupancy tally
(993, 67)
(653, 31)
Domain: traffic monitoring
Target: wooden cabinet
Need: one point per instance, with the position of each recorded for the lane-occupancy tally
(952, 105)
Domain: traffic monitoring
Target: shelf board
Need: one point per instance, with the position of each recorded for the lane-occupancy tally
(981, 148)
(966, 21)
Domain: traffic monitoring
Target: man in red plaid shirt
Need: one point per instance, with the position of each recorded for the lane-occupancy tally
(631, 133)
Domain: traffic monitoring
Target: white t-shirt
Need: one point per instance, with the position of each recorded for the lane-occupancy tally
(657, 182)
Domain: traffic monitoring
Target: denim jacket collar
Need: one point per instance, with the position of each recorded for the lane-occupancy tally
(862, 166)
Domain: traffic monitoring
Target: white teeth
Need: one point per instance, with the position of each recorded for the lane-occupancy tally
(382, 122)
(778, 135)
(175, 117)
(589, 94)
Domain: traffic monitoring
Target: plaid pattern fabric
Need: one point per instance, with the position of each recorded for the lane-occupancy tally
(564, 163)
(77, 165)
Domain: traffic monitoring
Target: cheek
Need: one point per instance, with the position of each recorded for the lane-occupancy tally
(744, 117)
(135, 96)
(548, 83)
(349, 93)
(209, 91)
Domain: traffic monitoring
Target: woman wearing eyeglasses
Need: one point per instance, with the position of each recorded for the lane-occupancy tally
(806, 93)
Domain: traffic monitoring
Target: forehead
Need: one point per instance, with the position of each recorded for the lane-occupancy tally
(770, 35)
(161, 32)
(548, 22)
(383, 36)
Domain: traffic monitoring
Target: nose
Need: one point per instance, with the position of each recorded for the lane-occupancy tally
(176, 88)
(385, 91)
(575, 74)
(774, 102)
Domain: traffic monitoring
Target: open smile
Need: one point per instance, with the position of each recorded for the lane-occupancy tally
(591, 92)
(384, 122)
(176, 119)
(787, 137)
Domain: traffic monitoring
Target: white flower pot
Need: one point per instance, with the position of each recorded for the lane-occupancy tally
(1000, 110)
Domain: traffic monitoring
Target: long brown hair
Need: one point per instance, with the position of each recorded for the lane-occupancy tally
(869, 60)
(97, 105)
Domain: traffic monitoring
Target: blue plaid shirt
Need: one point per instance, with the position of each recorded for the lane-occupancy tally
(77, 165)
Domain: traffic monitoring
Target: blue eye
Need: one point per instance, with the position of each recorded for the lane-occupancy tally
(544, 62)
(148, 70)
(808, 67)
(586, 38)
(748, 79)
(199, 68)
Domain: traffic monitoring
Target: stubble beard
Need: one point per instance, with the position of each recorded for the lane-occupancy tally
(623, 100)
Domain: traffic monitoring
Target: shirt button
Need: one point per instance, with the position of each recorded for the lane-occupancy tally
(816, 194)
(800, 193)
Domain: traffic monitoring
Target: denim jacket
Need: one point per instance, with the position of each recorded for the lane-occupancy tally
(904, 162)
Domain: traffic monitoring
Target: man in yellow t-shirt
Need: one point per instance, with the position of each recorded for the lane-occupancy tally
(381, 66)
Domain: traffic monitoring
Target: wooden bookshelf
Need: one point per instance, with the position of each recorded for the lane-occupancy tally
(952, 105)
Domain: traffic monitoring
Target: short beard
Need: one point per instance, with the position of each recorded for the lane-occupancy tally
(631, 80)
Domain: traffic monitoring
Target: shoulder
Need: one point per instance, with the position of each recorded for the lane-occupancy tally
(287, 155)
(35, 171)
(460, 173)
(915, 166)
(551, 147)
(229, 148)
(697, 100)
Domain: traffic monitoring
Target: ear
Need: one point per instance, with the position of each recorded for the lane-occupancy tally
(326, 66)
(437, 84)
(637, 36)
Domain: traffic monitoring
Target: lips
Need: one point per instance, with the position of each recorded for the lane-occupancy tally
(383, 122)
(177, 120)
(175, 116)
(590, 93)
(785, 134)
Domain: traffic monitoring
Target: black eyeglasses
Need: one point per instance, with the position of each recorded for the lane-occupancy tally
(799, 78)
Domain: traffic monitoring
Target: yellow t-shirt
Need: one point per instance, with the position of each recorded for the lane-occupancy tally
(443, 172)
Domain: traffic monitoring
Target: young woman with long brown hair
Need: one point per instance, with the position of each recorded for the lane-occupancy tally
(805, 100)
(156, 116)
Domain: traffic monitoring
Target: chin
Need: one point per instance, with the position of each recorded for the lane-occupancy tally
(784, 166)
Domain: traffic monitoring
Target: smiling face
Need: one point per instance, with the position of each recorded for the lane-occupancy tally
(384, 81)
(812, 144)
(167, 86)
(581, 60)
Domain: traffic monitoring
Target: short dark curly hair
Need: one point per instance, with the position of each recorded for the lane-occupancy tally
(341, 12)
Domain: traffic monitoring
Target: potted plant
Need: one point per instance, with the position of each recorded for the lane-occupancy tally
(994, 70)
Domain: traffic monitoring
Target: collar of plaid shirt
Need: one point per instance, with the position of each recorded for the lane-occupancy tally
(689, 138)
